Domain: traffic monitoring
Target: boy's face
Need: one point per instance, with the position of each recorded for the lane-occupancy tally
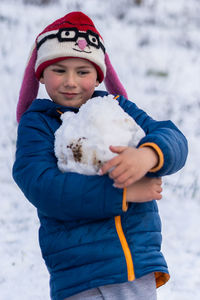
(70, 82)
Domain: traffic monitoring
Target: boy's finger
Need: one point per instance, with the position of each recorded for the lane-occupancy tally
(119, 186)
(159, 197)
(117, 149)
(122, 178)
(117, 171)
(128, 182)
(109, 165)
(159, 189)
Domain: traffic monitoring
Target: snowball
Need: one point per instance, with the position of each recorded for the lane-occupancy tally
(82, 141)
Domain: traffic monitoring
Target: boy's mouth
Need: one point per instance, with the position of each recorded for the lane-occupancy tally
(70, 95)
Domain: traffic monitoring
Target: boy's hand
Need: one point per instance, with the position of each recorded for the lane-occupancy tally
(130, 165)
(144, 190)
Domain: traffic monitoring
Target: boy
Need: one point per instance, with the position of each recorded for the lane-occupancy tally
(100, 236)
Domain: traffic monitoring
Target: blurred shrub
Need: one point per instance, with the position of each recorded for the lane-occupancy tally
(39, 2)
(138, 2)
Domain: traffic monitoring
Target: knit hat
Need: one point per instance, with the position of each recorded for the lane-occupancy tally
(73, 35)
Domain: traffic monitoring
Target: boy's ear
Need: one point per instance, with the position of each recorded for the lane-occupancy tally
(42, 79)
(97, 83)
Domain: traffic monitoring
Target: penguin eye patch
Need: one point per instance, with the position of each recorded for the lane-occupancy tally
(67, 34)
(93, 40)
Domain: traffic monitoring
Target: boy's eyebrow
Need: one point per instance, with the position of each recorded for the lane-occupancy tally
(58, 65)
(84, 67)
(78, 67)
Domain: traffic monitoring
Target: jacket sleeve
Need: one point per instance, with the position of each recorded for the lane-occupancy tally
(166, 139)
(64, 196)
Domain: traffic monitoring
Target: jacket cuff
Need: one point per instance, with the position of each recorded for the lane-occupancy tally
(159, 152)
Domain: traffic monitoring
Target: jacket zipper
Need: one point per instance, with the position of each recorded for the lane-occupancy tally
(125, 247)
(122, 238)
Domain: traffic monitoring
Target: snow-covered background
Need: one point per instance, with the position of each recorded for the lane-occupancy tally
(155, 50)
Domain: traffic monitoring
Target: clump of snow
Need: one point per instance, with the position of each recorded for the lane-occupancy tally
(82, 141)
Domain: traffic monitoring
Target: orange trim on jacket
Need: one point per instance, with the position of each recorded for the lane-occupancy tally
(126, 250)
(124, 202)
(161, 278)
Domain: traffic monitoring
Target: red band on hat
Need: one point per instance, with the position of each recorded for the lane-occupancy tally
(45, 64)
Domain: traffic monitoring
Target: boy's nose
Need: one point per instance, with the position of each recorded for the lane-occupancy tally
(70, 80)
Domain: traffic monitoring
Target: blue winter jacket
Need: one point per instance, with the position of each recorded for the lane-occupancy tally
(87, 237)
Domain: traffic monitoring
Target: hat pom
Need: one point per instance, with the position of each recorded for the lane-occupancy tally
(112, 82)
(29, 87)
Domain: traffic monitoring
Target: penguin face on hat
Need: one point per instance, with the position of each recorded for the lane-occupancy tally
(72, 38)
(80, 41)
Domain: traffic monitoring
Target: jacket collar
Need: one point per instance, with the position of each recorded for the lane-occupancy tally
(55, 110)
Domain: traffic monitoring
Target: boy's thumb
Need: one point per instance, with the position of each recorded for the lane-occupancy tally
(117, 149)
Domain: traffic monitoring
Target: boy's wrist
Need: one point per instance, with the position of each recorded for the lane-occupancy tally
(151, 157)
(156, 155)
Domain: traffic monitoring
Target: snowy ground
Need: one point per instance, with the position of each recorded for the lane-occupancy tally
(155, 49)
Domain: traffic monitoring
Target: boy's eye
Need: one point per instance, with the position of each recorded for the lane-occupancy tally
(58, 70)
(83, 72)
